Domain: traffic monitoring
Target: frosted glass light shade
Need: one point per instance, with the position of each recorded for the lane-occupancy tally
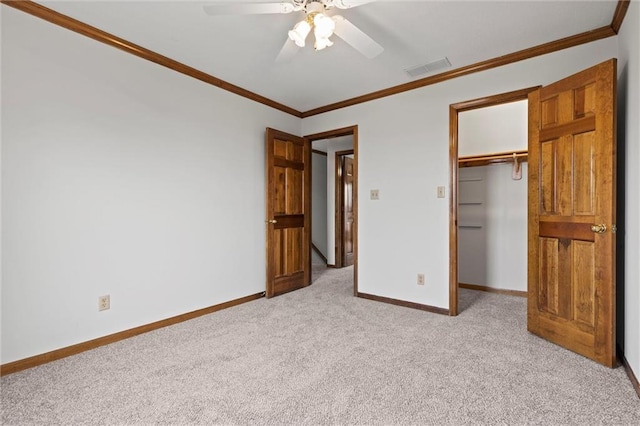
(323, 26)
(322, 42)
(299, 33)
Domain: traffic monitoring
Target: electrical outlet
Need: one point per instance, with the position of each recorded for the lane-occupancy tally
(420, 279)
(104, 303)
(375, 194)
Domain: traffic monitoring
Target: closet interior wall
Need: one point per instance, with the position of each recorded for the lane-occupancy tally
(492, 209)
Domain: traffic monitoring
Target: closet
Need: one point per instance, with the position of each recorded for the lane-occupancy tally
(492, 198)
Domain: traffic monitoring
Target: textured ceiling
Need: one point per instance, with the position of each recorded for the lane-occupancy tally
(242, 49)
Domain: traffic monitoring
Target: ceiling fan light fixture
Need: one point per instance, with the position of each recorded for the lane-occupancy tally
(319, 16)
(299, 33)
(322, 42)
(323, 26)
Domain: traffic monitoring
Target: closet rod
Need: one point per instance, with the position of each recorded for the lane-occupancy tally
(497, 158)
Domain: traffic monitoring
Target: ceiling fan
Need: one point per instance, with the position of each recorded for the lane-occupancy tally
(316, 19)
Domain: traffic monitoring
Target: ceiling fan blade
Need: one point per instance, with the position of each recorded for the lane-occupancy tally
(356, 38)
(248, 8)
(288, 51)
(348, 4)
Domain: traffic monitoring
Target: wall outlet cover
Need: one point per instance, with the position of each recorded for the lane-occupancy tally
(104, 303)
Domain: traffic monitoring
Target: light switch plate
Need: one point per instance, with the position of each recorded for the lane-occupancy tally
(441, 191)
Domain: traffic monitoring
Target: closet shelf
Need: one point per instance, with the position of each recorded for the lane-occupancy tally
(497, 158)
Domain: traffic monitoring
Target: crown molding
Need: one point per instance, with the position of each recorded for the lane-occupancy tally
(619, 14)
(35, 9)
(542, 49)
(79, 27)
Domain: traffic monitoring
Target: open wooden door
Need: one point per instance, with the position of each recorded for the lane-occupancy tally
(288, 168)
(572, 190)
(347, 211)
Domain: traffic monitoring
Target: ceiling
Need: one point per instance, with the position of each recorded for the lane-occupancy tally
(242, 49)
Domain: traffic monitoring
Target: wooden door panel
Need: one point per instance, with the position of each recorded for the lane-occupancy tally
(567, 285)
(571, 188)
(288, 150)
(548, 177)
(548, 288)
(280, 193)
(583, 171)
(288, 197)
(583, 282)
(565, 280)
(549, 112)
(288, 212)
(295, 186)
(288, 246)
(280, 149)
(293, 251)
(563, 186)
(295, 152)
(584, 100)
(279, 243)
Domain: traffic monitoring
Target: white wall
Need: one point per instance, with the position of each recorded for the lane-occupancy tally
(120, 177)
(319, 203)
(403, 149)
(494, 255)
(629, 132)
(493, 129)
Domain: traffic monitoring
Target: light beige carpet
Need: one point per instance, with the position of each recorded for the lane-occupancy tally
(321, 356)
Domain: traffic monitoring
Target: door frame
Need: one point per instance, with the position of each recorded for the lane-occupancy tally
(330, 134)
(339, 207)
(454, 110)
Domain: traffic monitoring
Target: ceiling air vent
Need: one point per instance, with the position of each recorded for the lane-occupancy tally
(419, 70)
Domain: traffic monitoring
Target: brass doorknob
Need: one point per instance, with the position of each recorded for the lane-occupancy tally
(271, 221)
(599, 229)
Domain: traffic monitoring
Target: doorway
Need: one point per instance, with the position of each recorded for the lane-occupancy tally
(454, 111)
(335, 258)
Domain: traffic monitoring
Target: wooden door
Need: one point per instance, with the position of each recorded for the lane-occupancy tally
(572, 189)
(288, 168)
(347, 211)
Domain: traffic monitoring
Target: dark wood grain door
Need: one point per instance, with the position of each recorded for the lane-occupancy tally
(572, 157)
(288, 189)
(347, 216)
